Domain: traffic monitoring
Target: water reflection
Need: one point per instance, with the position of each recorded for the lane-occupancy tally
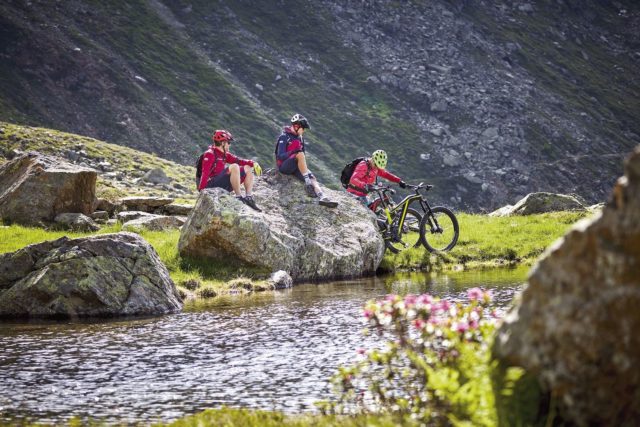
(270, 351)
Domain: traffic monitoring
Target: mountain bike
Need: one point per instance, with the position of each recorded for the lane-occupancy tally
(404, 227)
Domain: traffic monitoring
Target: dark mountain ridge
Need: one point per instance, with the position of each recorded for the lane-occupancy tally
(488, 100)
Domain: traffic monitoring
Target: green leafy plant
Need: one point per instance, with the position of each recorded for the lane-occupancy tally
(435, 366)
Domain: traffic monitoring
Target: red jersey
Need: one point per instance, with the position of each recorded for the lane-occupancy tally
(366, 173)
(214, 162)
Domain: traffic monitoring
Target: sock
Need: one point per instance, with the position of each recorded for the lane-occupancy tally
(307, 178)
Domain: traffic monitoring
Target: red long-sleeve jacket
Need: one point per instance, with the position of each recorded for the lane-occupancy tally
(366, 173)
(214, 162)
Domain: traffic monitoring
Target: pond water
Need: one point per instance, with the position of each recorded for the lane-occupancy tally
(270, 351)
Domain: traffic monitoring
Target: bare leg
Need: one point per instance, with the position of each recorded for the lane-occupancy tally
(316, 186)
(248, 180)
(234, 171)
(302, 163)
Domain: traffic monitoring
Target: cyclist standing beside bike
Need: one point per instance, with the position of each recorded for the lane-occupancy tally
(366, 172)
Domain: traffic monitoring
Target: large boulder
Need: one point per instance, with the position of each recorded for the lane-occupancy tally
(576, 322)
(536, 203)
(34, 188)
(106, 275)
(293, 233)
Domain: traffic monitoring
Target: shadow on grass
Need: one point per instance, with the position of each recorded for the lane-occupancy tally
(223, 270)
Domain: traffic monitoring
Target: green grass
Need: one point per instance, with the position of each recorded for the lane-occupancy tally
(484, 242)
(255, 418)
(207, 277)
(490, 241)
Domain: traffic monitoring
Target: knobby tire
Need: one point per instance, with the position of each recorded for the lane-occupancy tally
(446, 236)
(412, 223)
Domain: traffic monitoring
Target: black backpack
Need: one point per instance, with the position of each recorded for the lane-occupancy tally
(199, 167)
(348, 169)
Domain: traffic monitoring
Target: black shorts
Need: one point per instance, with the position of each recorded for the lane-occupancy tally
(290, 167)
(223, 179)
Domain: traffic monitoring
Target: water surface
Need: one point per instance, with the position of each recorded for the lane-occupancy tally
(270, 351)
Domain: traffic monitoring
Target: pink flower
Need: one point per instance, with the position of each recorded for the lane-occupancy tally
(425, 299)
(368, 314)
(460, 327)
(361, 351)
(410, 300)
(475, 294)
(442, 306)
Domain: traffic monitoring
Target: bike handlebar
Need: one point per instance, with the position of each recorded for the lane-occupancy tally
(385, 188)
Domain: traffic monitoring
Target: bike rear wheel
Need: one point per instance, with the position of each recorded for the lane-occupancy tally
(439, 231)
(400, 239)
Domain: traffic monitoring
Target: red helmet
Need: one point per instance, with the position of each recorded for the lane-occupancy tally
(222, 135)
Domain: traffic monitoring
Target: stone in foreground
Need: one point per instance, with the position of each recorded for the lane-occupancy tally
(292, 233)
(101, 276)
(577, 321)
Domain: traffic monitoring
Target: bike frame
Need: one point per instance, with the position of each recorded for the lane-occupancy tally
(404, 205)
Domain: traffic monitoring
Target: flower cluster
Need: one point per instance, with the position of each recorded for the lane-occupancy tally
(426, 335)
(425, 322)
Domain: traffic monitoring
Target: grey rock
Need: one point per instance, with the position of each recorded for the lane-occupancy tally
(471, 177)
(452, 158)
(156, 176)
(110, 207)
(105, 166)
(490, 133)
(76, 222)
(439, 107)
(34, 188)
(503, 211)
(575, 325)
(546, 202)
(106, 275)
(100, 215)
(293, 233)
(176, 209)
(280, 280)
(153, 222)
(126, 216)
(145, 204)
(436, 131)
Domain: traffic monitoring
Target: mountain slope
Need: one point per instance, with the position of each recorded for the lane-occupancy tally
(487, 100)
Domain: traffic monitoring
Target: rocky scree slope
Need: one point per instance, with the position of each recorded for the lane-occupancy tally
(488, 100)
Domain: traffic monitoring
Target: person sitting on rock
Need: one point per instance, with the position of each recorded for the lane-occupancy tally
(291, 158)
(216, 173)
(365, 174)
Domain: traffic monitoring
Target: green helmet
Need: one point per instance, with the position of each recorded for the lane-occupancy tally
(379, 158)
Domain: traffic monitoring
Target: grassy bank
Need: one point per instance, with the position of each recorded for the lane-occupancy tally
(490, 242)
(484, 242)
(254, 418)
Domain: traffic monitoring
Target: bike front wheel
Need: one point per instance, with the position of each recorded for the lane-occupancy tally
(402, 238)
(439, 230)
